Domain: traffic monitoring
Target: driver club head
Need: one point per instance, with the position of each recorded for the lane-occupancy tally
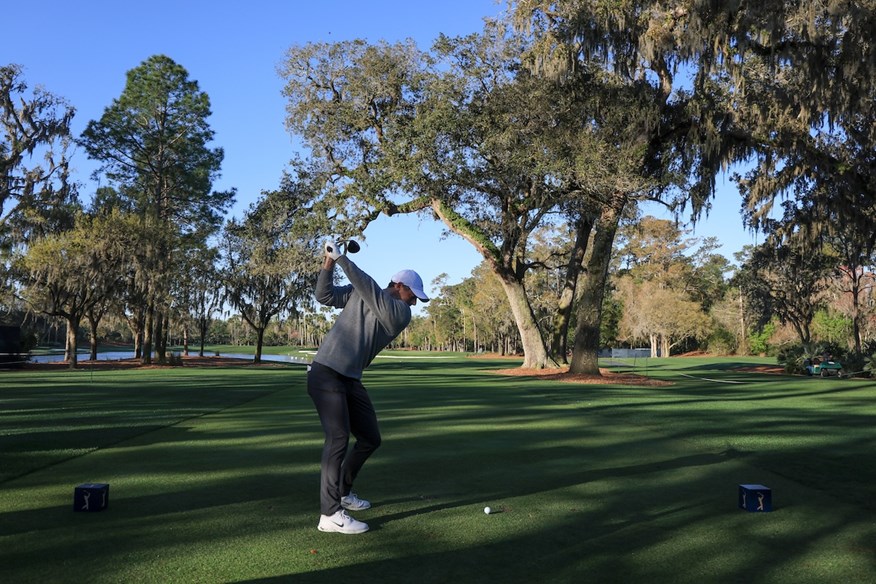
(353, 246)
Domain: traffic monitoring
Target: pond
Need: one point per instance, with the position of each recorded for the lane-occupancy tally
(119, 355)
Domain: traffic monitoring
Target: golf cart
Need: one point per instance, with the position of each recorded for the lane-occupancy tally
(824, 368)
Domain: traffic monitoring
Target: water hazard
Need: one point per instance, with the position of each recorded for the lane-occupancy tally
(121, 355)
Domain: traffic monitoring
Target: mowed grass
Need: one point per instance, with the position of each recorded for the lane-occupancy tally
(214, 476)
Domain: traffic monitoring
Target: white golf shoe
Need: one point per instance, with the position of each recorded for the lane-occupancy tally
(340, 522)
(353, 503)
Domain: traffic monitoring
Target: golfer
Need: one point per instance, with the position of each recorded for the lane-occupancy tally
(371, 318)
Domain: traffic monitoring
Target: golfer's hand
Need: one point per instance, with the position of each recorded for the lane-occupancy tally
(332, 250)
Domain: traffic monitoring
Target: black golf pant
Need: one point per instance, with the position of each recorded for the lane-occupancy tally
(344, 408)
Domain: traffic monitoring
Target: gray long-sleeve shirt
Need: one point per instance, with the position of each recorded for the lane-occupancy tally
(369, 321)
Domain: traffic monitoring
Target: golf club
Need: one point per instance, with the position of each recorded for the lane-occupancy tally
(350, 246)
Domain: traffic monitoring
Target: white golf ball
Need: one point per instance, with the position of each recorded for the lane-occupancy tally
(487, 510)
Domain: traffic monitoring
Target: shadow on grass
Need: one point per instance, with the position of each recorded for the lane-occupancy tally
(49, 418)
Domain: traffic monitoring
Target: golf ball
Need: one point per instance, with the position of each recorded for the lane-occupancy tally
(487, 510)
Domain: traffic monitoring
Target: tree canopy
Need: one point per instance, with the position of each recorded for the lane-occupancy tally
(37, 194)
(268, 260)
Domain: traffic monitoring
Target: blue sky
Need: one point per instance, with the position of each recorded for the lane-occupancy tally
(82, 51)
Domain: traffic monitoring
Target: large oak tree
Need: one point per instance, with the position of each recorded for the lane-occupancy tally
(467, 134)
(786, 86)
(70, 273)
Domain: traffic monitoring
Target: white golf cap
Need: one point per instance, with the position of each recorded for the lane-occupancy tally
(412, 280)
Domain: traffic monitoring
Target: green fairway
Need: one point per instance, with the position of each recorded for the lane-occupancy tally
(214, 476)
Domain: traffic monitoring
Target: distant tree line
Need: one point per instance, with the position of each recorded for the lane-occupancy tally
(535, 140)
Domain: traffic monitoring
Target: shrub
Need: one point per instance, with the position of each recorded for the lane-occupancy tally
(792, 357)
(721, 342)
(831, 349)
(870, 364)
(758, 341)
(856, 363)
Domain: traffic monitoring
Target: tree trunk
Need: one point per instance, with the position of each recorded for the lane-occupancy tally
(475, 332)
(92, 337)
(135, 325)
(563, 315)
(165, 334)
(856, 311)
(159, 337)
(803, 334)
(146, 358)
(665, 346)
(260, 337)
(203, 325)
(72, 328)
(560, 326)
(585, 354)
(535, 355)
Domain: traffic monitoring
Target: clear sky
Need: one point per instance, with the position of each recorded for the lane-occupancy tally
(81, 50)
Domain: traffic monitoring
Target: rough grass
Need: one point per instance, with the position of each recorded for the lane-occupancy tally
(214, 475)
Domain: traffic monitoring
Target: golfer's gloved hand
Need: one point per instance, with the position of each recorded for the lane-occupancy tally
(333, 250)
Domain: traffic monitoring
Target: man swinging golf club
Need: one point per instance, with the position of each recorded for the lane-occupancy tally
(371, 317)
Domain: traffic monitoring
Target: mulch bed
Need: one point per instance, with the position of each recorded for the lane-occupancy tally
(605, 377)
(772, 369)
